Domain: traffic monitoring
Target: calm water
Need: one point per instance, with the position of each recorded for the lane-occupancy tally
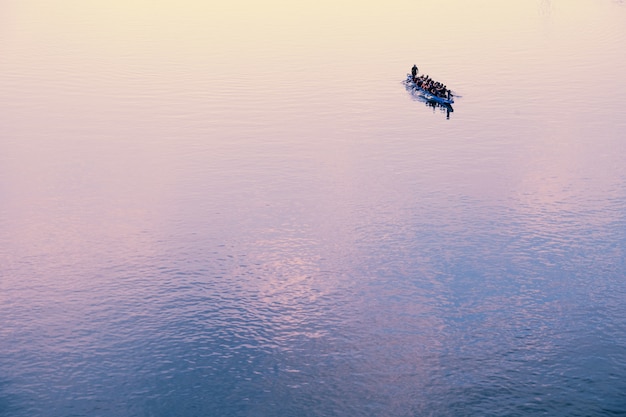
(238, 210)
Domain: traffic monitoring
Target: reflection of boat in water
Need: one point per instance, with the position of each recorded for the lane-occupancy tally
(445, 108)
(410, 84)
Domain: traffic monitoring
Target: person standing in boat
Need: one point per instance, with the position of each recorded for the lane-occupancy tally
(414, 72)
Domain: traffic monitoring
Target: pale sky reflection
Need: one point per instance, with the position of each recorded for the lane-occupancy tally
(247, 186)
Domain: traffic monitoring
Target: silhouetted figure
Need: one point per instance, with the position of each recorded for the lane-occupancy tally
(414, 71)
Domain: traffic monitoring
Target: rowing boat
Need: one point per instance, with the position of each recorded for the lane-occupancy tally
(426, 94)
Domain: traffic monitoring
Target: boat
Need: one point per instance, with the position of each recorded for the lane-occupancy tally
(426, 94)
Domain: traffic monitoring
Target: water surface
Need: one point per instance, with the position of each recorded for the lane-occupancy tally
(238, 210)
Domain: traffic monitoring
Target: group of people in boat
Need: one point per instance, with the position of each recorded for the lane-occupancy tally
(428, 84)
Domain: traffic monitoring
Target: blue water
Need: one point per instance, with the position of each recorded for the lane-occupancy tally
(236, 210)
